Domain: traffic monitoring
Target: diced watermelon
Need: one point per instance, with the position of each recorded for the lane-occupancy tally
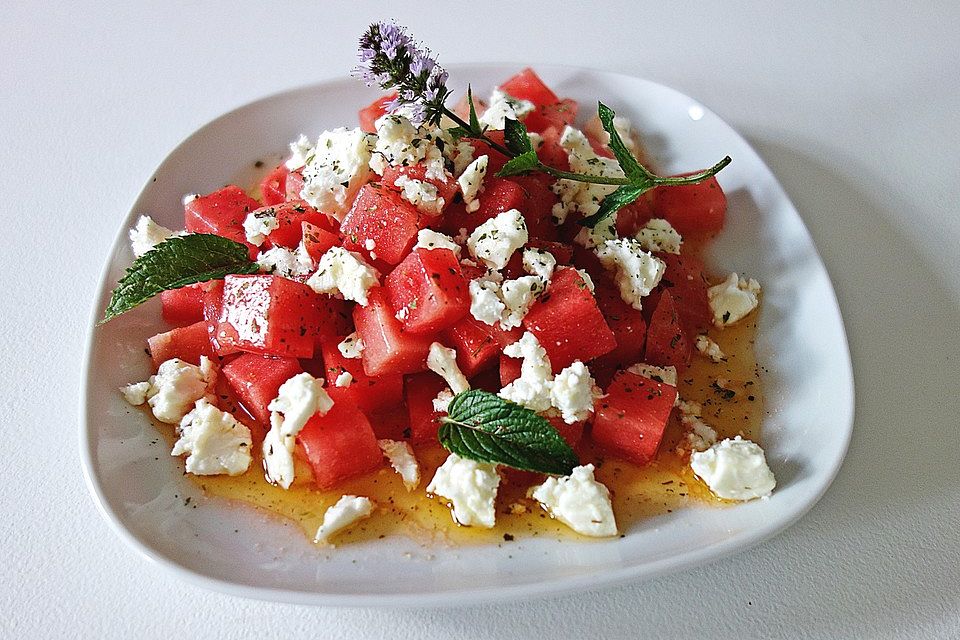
(633, 217)
(499, 195)
(290, 218)
(212, 304)
(686, 280)
(527, 85)
(273, 188)
(294, 185)
(695, 210)
(627, 324)
(631, 418)
(380, 215)
(339, 445)
(392, 424)
(446, 188)
(509, 369)
(572, 433)
(537, 207)
(256, 379)
(421, 389)
(368, 393)
(667, 343)
(478, 344)
(268, 315)
(182, 306)
(568, 323)
(387, 348)
(372, 112)
(221, 213)
(429, 290)
(550, 152)
(326, 318)
(495, 159)
(556, 115)
(187, 343)
(317, 240)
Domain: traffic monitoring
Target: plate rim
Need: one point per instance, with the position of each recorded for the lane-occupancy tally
(442, 598)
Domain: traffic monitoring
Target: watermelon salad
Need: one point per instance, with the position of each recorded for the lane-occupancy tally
(396, 272)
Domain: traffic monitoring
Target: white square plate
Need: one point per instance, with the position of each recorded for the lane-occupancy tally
(809, 387)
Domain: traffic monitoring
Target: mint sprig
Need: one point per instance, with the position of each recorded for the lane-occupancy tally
(176, 263)
(484, 427)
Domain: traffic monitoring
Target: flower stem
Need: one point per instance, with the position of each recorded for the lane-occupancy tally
(477, 134)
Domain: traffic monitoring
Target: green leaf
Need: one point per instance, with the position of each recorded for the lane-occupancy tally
(617, 200)
(484, 427)
(516, 138)
(631, 168)
(521, 164)
(176, 263)
(474, 120)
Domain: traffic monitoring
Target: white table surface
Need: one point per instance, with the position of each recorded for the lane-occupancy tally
(854, 107)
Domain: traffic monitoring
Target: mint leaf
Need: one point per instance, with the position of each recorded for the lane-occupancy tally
(521, 164)
(484, 427)
(615, 201)
(631, 168)
(516, 138)
(176, 263)
(474, 121)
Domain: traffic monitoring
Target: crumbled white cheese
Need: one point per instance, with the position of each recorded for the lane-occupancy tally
(135, 393)
(430, 239)
(189, 197)
(494, 241)
(369, 244)
(301, 152)
(733, 299)
(471, 487)
(503, 106)
(700, 435)
(403, 314)
(666, 375)
(347, 510)
(352, 346)
(532, 388)
(339, 166)
(659, 235)
(401, 458)
(579, 501)
(441, 404)
(177, 386)
(471, 180)
(461, 154)
(538, 262)
(298, 399)
(709, 348)
(485, 303)
(344, 380)
(214, 441)
(573, 392)
(400, 144)
(284, 262)
(622, 125)
(518, 296)
(346, 273)
(637, 272)
(584, 197)
(423, 195)
(587, 280)
(259, 224)
(443, 362)
(734, 470)
(146, 235)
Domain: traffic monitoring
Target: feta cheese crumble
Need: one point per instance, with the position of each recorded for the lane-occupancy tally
(700, 435)
(147, 234)
(214, 441)
(344, 380)
(573, 392)
(637, 272)
(351, 347)
(518, 296)
(584, 197)
(441, 404)
(175, 388)
(734, 470)
(259, 224)
(709, 348)
(532, 388)
(284, 262)
(579, 501)
(337, 168)
(503, 106)
(401, 144)
(494, 241)
(443, 362)
(485, 303)
(400, 456)
(471, 180)
(136, 393)
(346, 273)
(733, 299)
(301, 152)
(666, 375)
(430, 239)
(298, 399)
(471, 487)
(659, 235)
(347, 510)
(423, 195)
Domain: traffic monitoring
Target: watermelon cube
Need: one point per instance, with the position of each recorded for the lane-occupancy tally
(428, 290)
(256, 379)
(273, 188)
(478, 344)
(182, 306)
(387, 348)
(187, 343)
(667, 343)
(631, 418)
(221, 213)
(368, 393)
(420, 391)
(381, 219)
(340, 444)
